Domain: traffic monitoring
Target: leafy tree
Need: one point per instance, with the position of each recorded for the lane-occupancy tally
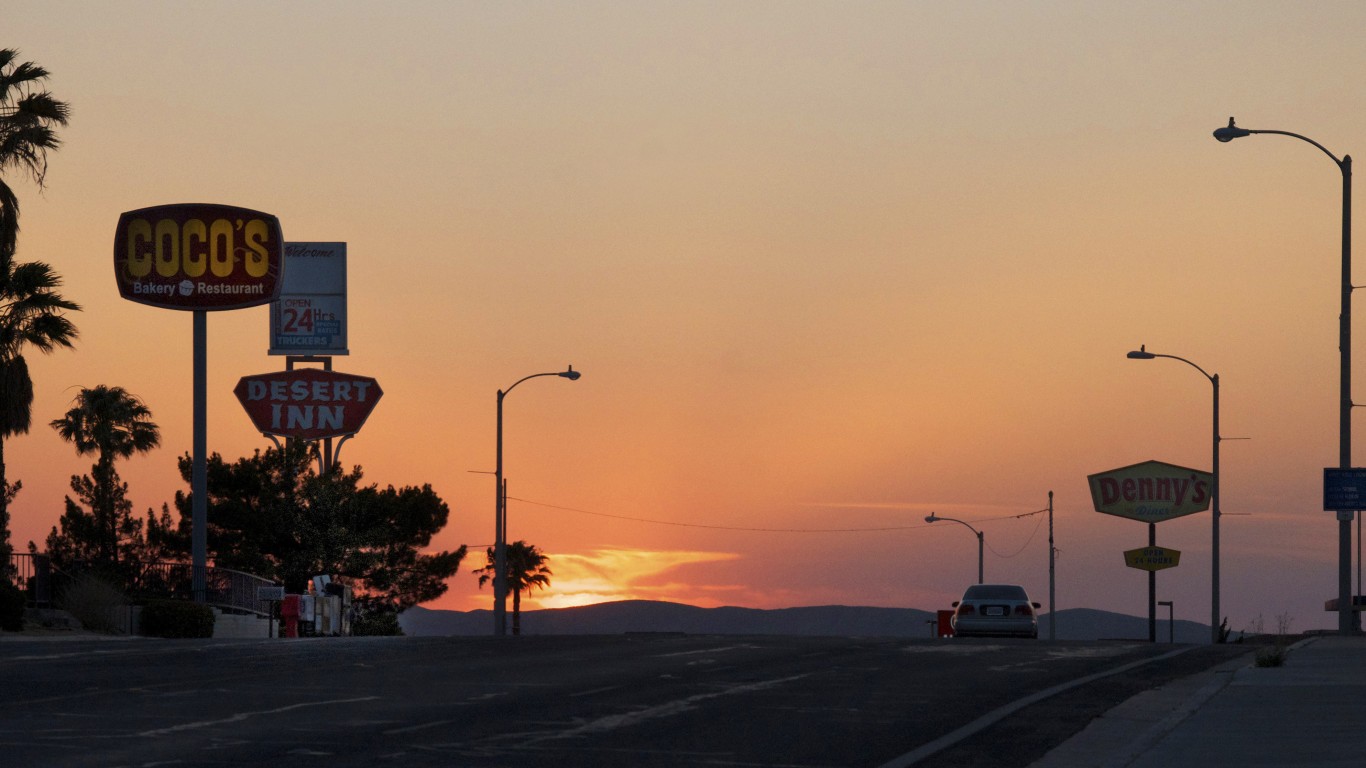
(401, 523)
(113, 424)
(31, 310)
(526, 571)
(108, 538)
(273, 515)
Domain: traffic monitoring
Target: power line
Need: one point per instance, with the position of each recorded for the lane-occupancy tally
(881, 529)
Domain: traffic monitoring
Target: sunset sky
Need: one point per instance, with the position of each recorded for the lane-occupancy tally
(826, 268)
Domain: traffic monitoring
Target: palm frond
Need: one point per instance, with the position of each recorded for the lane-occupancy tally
(19, 75)
(42, 106)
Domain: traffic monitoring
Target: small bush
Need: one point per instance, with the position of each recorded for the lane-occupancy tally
(1274, 655)
(177, 619)
(11, 607)
(1270, 656)
(98, 605)
(376, 624)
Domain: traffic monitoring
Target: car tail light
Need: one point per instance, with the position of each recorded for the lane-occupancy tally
(1023, 610)
(965, 609)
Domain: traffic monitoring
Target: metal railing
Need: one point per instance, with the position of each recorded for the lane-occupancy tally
(224, 588)
(32, 574)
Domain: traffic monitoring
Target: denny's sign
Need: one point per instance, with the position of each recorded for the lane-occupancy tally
(308, 403)
(198, 256)
(1151, 492)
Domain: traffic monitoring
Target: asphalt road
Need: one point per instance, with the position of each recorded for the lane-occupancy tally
(634, 700)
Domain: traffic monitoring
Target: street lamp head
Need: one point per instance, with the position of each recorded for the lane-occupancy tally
(570, 374)
(1231, 132)
(1141, 354)
(931, 518)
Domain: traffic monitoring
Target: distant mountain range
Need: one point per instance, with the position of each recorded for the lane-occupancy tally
(631, 616)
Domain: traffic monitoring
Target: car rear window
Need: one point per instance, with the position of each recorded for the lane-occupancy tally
(995, 592)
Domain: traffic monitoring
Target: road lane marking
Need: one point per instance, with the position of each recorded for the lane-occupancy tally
(415, 728)
(704, 650)
(1001, 713)
(668, 709)
(594, 691)
(240, 716)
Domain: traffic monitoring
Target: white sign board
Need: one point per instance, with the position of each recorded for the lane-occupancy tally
(309, 318)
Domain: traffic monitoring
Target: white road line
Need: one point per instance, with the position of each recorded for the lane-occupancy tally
(613, 722)
(240, 716)
(702, 650)
(1001, 713)
(594, 691)
(414, 728)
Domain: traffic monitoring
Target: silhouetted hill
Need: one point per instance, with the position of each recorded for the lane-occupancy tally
(653, 616)
(831, 620)
(1092, 624)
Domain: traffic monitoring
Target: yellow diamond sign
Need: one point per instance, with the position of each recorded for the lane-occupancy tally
(1152, 558)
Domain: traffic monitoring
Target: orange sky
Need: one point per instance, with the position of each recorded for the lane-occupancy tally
(825, 267)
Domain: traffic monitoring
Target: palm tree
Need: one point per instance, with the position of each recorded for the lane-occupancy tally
(30, 308)
(113, 424)
(29, 117)
(526, 571)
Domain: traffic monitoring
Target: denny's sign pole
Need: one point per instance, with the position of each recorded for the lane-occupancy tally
(198, 258)
(1151, 492)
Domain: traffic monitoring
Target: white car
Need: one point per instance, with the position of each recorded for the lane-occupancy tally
(995, 610)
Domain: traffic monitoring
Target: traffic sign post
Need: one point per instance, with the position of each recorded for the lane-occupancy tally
(1344, 490)
(271, 595)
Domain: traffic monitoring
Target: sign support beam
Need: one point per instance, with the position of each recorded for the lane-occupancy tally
(1152, 588)
(199, 474)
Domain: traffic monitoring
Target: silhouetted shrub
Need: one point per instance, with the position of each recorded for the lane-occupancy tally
(177, 618)
(98, 605)
(11, 607)
(375, 624)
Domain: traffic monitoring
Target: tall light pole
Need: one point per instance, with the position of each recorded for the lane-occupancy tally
(1346, 619)
(500, 583)
(1215, 619)
(933, 519)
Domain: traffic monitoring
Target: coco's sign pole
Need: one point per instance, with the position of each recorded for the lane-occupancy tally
(198, 257)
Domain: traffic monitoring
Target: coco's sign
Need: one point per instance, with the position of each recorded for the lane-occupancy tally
(308, 403)
(1151, 492)
(198, 256)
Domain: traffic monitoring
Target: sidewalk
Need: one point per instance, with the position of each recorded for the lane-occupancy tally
(1309, 712)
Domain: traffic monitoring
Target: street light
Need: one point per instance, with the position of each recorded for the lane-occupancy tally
(933, 519)
(500, 584)
(1346, 618)
(1215, 620)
